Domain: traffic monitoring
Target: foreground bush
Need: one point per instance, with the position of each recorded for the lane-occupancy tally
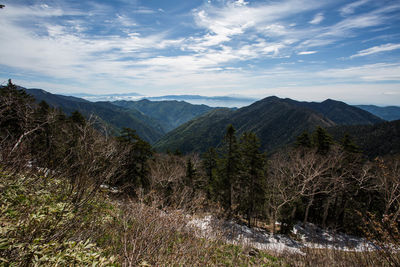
(41, 225)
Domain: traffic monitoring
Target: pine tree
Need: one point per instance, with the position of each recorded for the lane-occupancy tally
(228, 169)
(303, 140)
(252, 176)
(190, 173)
(348, 144)
(134, 169)
(77, 118)
(322, 140)
(210, 165)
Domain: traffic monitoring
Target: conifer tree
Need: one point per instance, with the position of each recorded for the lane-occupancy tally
(190, 173)
(228, 169)
(252, 176)
(348, 144)
(322, 140)
(210, 165)
(303, 140)
(134, 169)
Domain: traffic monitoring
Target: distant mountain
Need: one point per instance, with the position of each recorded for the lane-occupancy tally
(389, 113)
(276, 121)
(233, 101)
(109, 97)
(116, 117)
(213, 101)
(374, 140)
(339, 112)
(170, 114)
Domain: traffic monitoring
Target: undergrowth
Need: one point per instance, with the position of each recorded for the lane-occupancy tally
(42, 225)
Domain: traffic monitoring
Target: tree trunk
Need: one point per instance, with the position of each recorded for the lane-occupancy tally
(326, 210)
(310, 202)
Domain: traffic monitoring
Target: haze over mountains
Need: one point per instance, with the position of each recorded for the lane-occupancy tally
(177, 125)
(212, 101)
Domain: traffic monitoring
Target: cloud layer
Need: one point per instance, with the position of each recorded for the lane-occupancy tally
(215, 48)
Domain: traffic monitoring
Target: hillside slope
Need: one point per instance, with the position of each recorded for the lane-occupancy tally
(374, 140)
(116, 117)
(339, 112)
(389, 113)
(170, 114)
(277, 122)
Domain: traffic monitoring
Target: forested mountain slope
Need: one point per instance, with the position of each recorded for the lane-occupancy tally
(339, 112)
(116, 117)
(277, 122)
(374, 140)
(170, 114)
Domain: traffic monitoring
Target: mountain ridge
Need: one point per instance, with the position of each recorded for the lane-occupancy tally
(276, 121)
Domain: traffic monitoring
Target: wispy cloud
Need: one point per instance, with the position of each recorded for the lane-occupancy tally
(214, 47)
(306, 52)
(376, 49)
(317, 19)
(350, 8)
(370, 72)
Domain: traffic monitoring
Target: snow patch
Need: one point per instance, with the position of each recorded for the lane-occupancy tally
(309, 236)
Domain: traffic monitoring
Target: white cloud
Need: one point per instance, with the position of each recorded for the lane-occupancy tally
(317, 19)
(306, 52)
(235, 47)
(377, 72)
(349, 8)
(376, 49)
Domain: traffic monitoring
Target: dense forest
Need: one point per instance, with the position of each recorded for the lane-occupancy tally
(74, 194)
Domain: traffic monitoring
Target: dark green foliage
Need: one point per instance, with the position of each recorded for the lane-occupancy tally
(348, 144)
(252, 177)
(322, 140)
(304, 140)
(77, 117)
(373, 140)
(190, 173)
(134, 170)
(228, 168)
(210, 165)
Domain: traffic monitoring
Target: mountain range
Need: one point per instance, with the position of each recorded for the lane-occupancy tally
(178, 125)
(276, 121)
(389, 113)
(151, 120)
(170, 114)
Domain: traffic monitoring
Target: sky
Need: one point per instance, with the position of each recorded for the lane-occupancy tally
(307, 50)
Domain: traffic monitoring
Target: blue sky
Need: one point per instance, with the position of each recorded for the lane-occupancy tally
(302, 49)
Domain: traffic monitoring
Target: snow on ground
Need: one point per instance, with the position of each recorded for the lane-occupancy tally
(308, 235)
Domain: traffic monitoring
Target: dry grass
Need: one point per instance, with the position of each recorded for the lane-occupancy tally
(334, 257)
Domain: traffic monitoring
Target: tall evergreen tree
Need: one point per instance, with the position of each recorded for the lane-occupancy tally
(252, 176)
(190, 173)
(210, 165)
(304, 140)
(134, 169)
(322, 140)
(348, 145)
(228, 169)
